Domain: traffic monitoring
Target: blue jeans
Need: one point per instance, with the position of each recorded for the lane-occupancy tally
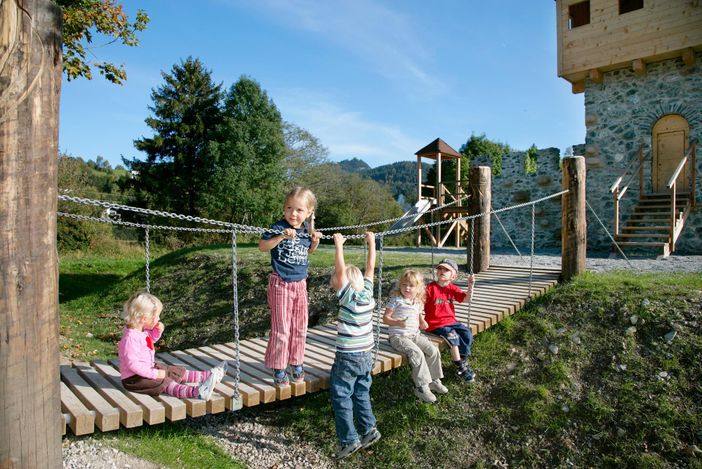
(350, 395)
(457, 335)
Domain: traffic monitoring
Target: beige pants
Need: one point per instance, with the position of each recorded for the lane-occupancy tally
(424, 357)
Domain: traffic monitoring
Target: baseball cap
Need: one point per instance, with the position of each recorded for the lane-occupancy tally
(449, 264)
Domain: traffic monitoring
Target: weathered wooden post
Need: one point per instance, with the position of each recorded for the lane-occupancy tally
(30, 83)
(480, 202)
(574, 222)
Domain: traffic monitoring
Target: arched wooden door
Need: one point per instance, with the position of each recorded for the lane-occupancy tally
(670, 142)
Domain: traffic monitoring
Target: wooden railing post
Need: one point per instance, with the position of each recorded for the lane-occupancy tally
(694, 175)
(641, 174)
(574, 222)
(616, 211)
(673, 215)
(480, 202)
(31, 422)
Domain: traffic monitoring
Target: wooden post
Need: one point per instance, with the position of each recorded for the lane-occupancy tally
(693, 199)
(419, 194)
(616, 211)
(30, 78)
(574, 223)
(480, 202)
(642, 189)
(439, 195)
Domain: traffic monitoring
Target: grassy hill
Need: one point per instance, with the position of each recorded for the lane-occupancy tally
(401, 177)
(602, 372)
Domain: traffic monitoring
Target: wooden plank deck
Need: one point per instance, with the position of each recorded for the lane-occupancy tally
(93, 399)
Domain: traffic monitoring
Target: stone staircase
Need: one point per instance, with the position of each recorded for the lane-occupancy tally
(649, 226)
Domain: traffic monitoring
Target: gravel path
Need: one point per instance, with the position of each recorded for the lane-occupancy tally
(254, 441)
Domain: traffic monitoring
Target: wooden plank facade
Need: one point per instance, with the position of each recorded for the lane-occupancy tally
(93, 399)
(610, 40)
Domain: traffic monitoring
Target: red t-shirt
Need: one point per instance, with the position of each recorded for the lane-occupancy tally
(438, 306)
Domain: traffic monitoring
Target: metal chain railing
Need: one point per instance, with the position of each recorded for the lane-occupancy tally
(258, 230)
(147, 255)
(389, 220)
(235, 313)
(531, 259)
(497, 217)
(471, 266)
(608, 234)
(378, 305)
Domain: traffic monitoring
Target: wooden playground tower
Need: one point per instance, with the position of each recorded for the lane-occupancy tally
(440, 193)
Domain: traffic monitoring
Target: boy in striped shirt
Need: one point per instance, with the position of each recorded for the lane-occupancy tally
(353, 362)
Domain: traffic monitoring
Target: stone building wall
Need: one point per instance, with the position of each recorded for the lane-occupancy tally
(514, 187)
(620, 114)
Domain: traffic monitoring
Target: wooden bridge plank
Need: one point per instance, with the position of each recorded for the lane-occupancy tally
(499, 292)
(327, 338)
(314, 357)
(81, 420)
(195, 406)
(327, 350)
(313, 376)
(154, 412)
(251, 376)
(316, 354)
(130, 414)
(174, 407)
(258, 356)
(249, 396)
(106, 416)
(255, 367)
(386, 358)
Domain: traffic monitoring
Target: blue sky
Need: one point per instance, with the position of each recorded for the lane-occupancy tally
(376, 80)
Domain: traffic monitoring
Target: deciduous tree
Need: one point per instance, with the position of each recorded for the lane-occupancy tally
(84, 21)
(247, 183)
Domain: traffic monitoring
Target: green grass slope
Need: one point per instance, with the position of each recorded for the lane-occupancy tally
(602, 372)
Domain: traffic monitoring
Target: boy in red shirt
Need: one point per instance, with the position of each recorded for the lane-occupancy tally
(440, 315)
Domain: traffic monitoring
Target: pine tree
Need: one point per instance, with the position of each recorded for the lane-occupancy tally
(179, 166)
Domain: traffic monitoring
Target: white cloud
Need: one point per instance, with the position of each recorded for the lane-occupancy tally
(345, 133)
(385, 39)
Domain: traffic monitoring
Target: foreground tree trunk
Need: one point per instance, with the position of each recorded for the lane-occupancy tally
(30, 81)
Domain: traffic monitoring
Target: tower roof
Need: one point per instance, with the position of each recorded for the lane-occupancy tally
(438, 146)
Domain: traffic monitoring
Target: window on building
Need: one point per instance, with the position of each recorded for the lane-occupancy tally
(625, 6)
(578, 14)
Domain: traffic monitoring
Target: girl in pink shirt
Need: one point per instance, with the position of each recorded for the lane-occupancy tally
(137, 358)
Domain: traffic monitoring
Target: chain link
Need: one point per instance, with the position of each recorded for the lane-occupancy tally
(139, 225)
(253, 229)
(508, 236)
(610, 236)
(351, 227)
(378, 308)
(235, 312)
(531, 259)
(147, 255)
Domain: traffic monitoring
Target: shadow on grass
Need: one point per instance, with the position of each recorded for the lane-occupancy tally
(73, 286)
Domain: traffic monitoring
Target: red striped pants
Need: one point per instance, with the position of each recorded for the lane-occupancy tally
(289, 315)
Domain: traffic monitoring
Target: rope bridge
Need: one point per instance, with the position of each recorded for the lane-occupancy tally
(92, 395)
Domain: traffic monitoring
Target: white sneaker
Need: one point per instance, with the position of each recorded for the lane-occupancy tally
(438, 387)
(219, 371)
(206, 387)
(424, 394)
